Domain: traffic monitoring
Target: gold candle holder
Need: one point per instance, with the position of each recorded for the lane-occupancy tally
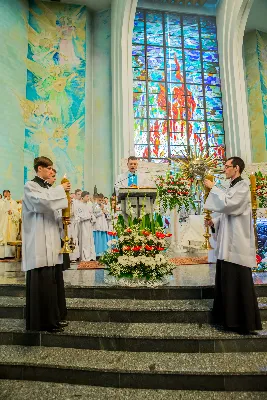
(66, 249)
(206, 245)
(254, 206)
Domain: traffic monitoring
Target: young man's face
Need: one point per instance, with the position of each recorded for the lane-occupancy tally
(85, 199)
(132, 165)
(7, 195)
(78, 195)
(45, 172)
(72, 195)
(230, 170)
(52, 179)
(106, 200)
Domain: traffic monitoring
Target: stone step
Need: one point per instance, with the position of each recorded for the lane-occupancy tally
(30, 390)
(180, 338)
(140, 370)
(138, 293)
(125, 310)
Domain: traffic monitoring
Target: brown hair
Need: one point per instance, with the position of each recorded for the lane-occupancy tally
(42, 162)
(54, 170)
(237, 161)
(132, 158)
(78, 190)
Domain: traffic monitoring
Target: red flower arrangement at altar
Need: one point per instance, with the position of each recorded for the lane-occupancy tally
(137, 251)
(174, 191)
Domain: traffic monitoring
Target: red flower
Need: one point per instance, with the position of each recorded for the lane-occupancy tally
(148, 248)
(168, 234)
(160, 248)
(258, 258)
(129, 230)
(112, 233)
(136, 248)
(145, 233)
(126, 248)
(160, 235)
(115, 250)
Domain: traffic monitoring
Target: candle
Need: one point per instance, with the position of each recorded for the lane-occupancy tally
(66, 211)
(253, 181)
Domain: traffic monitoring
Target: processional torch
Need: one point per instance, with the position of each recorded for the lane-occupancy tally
(68, 245)
(254, 206)
(206, 245)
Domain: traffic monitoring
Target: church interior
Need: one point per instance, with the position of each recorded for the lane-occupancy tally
(141, 110)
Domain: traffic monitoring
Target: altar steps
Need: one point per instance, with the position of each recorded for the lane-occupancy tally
(144, 337)
(122, 338)
(137, 293)
(128, 310)
(140, 370)
(20, 390)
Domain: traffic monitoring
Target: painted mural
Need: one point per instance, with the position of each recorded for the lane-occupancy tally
(13, 50)
(177, 94)
(255, 52)
(54, 109)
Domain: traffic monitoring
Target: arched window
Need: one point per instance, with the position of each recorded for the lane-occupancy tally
(177, 92)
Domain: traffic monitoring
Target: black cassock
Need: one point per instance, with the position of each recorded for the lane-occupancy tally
(235, 303)
(45, 293)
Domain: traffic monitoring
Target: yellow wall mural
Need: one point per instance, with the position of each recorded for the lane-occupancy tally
(255, 50)
(54, 108)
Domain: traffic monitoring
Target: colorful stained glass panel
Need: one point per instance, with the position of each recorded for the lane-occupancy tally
(180, 56)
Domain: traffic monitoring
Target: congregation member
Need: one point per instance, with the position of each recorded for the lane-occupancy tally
(101, 226)
(87, 220)
(41, 245)
(235, 303)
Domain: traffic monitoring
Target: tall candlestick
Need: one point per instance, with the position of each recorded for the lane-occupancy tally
(206, 245)
(254, 205)
(66, 249)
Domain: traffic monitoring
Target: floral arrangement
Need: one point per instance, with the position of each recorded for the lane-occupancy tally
(174, 191)
(261, 189)
(136, 250)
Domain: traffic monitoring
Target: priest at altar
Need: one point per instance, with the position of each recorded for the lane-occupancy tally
(9, 224)
(133, 178)
(235, 302)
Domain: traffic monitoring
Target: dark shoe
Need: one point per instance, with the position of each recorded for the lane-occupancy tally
(62, 324)
(55, 330)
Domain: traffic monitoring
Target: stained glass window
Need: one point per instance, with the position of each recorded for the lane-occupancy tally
(177, 93)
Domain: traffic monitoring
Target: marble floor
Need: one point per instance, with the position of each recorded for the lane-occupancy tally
(184, 275)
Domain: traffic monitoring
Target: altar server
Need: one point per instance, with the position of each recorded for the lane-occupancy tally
(100, 227)
(41, 246)
(75, 225)
(235, 303)
(87, 220)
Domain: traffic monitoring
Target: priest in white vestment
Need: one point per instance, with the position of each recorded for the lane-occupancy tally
(41, 247)
(235, 303)
(9, 224)
(87, 219)
(132, 178)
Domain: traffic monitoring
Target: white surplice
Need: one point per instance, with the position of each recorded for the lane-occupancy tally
(74, 229)
(101, 222)
(86, 239)
(40, 228)
(9, 226)
(233, 227)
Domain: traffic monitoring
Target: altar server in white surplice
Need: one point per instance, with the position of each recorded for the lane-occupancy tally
(41, 245)
(87, 220)
(235, 303)
(132, 178)
(101, 226)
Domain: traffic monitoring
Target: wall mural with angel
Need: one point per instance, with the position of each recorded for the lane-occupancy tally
(54, 108)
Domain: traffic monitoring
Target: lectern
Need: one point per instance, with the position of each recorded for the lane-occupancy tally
(134, 200)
